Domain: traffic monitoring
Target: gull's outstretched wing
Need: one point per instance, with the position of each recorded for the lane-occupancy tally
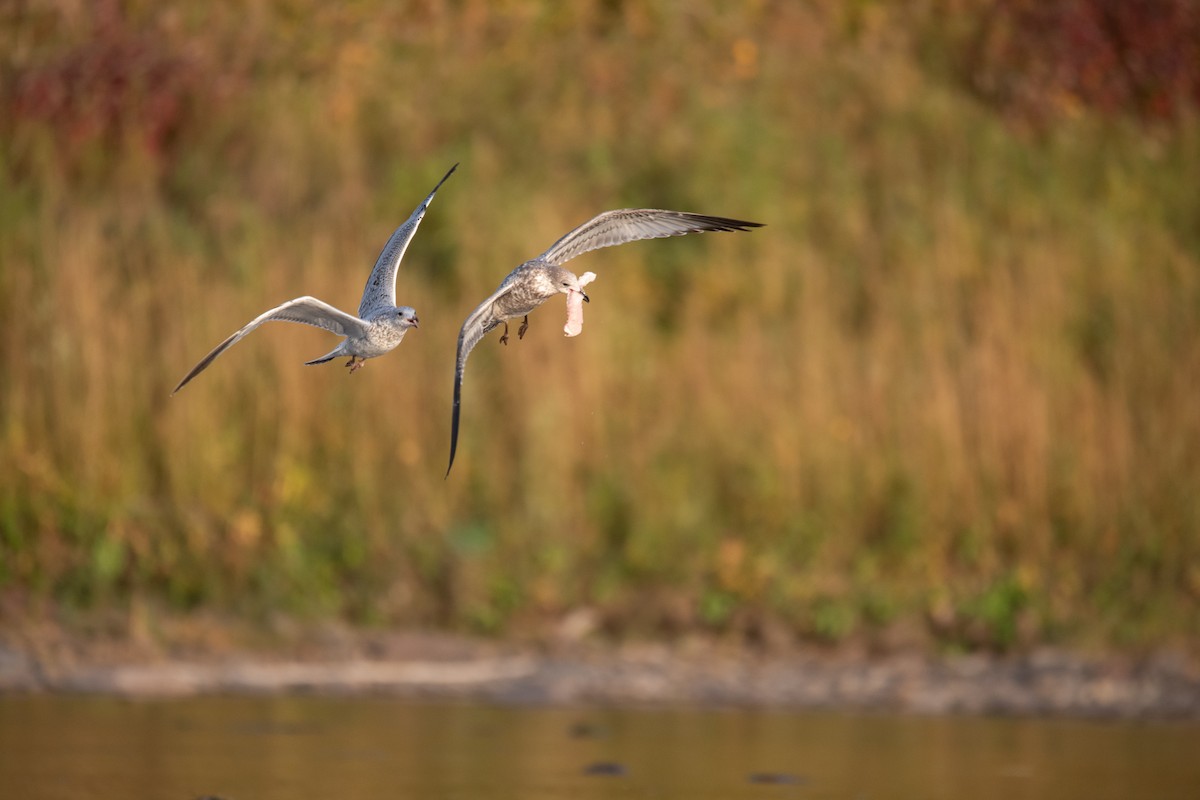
(380, 291)
(630, 225)
(479, 322)
(306, 310)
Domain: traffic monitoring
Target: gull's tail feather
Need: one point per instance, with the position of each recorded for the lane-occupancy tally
(330, 356)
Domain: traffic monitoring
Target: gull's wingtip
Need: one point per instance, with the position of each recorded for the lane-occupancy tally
(714, 223)
(446, 176)
(728, 224)
(453, 448)
(454, 418)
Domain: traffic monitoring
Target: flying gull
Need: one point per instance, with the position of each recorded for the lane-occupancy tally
(380, 325)
(536, 281)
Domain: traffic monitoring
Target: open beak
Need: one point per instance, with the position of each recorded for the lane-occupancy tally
(586, 299)
(416, 323)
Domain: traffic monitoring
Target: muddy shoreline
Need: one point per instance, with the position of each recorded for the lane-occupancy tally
(1041, 682)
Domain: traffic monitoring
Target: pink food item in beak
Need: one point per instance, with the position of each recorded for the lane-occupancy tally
(574, 324)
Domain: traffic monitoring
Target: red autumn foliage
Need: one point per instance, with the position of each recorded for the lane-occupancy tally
(122, 85)
(1036, 59)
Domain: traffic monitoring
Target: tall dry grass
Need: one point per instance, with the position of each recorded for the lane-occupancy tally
(951, 386)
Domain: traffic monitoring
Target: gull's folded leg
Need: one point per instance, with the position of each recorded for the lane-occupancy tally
(355, 366)
(504, 338)
(524, 327)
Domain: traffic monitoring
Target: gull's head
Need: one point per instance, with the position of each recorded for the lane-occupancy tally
(406, 317)
(564, 281)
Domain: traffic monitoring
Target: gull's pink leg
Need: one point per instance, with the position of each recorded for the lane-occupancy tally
(524, 327)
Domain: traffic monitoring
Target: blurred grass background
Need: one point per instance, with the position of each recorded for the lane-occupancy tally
(950, 391)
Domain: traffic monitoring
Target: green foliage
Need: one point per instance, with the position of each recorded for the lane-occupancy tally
(952, 383)
(999, 607)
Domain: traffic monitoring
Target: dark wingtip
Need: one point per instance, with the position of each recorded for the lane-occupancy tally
(454, 428)
(443, 180)
(183, 383)
(727, 224)
(702, 223)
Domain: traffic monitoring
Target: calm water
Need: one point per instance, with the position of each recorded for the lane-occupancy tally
(295, 748)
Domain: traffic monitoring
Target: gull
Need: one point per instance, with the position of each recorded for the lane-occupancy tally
(538, 280)
(380, 325)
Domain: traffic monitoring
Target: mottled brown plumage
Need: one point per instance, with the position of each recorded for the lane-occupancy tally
(538, 280)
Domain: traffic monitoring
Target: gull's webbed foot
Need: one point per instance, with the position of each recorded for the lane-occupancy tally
(355, 363)
(504, 338)
(524, 327)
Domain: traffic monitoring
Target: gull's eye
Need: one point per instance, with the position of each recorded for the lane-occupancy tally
(565, 283)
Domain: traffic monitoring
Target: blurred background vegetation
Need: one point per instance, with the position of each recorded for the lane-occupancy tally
(948, 395)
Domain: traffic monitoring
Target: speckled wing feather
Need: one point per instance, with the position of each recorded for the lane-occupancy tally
(380, 291)
(478, 324)
(632, 224)
(305, 310)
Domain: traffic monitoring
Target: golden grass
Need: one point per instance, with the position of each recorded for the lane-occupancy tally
(952, 382)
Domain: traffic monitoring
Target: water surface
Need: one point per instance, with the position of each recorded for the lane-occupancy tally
(354, 748)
